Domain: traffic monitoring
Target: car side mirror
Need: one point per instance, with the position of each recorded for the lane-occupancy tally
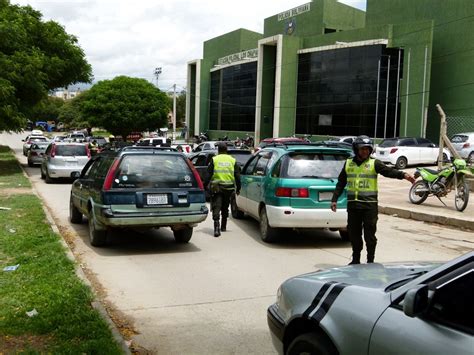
(75, 175)
(416, 301)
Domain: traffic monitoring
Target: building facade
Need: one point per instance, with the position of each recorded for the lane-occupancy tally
(325, 68)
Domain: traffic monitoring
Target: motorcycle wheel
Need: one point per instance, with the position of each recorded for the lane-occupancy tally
(415, 195)
(461, 197)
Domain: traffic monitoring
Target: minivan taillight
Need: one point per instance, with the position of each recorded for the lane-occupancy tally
(53, 151)
(109, 179)
(196, 174)
(291, 192)
(88, 151)
(466, 145)
(393, 150)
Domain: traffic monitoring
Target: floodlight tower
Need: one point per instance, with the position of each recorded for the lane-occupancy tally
(157, 73)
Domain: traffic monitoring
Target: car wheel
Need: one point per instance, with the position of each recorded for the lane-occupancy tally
(344, 234)
(30, 164)
(234, 210)
(267, 233)
(75, 216)
(42, 173)
(470, 158)
(401, 163)
(97, 238)
(445, 158)
(48, 178)
(311, 343)
(183, 235)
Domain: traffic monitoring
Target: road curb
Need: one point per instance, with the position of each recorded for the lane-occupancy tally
(426, 217)
(96, 304)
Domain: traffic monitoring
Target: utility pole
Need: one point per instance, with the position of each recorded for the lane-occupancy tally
(174, 111)
(157, 73)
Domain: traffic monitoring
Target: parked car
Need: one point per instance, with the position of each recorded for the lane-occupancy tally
(464, 144)
(101, 141)
(291, 187)
(138, 187)
(30, 140)
(36, 153)
(58, 138)
(202, 159)
(345, 139)
(405, 151)
(155, 142)
(62, 159)
(76, 136)
(405, 308)
(271, 141)
(212, 145)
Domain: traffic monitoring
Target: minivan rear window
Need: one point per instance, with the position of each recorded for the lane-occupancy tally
(154, 171)
(459, 138)
(313, 166)
(71, 150)
(386, 143)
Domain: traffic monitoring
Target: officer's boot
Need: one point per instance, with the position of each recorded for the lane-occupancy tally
(223, 224)
(217, 230)
(355, 258)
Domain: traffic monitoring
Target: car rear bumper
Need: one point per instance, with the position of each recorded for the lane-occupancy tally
(35, 160)
(277, 328)
(288, 217)
(63, 172)
(150, 219)
(387, 159)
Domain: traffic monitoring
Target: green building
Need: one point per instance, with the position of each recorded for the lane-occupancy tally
(325, 68)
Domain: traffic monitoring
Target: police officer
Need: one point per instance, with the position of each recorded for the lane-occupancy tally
(224, 180)
(93, 147)
(360, 175)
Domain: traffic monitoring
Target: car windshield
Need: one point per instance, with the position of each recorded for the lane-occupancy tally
(388, 143)
(313, 165)
(158, 170)
(71, 150)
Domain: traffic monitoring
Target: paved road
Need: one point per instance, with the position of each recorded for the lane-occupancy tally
(210, 296)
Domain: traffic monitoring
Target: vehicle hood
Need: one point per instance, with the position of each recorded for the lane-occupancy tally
(370, 275)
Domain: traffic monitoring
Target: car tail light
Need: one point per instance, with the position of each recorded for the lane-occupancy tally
(53, 151)
(291, 192)
(393, 150)
(109, 179)
(196, 174)
(88, 151)
(466, 145)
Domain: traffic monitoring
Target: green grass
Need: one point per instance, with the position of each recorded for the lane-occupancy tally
(45, 281)
(11, 174)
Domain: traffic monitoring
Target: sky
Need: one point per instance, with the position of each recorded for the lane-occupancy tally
(125, 37)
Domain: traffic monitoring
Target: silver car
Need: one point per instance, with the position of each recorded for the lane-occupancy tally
(63, 159)
(423, 308)
(29, 140)
(36, 153)
(464, 144)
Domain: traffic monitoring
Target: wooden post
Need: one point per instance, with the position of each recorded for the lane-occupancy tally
(443, 138)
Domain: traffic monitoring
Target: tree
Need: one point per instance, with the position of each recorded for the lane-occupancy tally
(47, 109)
(35, 58)
(70, 113)
(124, 105)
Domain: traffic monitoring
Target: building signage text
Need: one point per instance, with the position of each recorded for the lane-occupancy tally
(293, 12)
(237, 57)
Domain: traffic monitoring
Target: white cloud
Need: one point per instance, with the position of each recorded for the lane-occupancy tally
(123, 37)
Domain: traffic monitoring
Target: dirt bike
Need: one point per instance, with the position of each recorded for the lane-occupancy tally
(202, 137)
(440, 183)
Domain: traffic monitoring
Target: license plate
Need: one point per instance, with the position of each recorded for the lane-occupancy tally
(325, 196)
(382, 153)
(157, 199)
(71, 163)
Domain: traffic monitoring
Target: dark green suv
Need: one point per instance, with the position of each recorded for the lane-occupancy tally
(138, 187)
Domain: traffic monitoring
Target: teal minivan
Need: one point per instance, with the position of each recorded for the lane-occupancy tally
(291, 186)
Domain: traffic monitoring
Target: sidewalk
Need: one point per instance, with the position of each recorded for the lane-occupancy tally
(393, 200)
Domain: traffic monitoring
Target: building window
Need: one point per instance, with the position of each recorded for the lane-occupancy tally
(232, 98)
(340, 86)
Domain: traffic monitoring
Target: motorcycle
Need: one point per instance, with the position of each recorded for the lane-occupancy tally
(202, 137)
(440, 183)
(248, 141)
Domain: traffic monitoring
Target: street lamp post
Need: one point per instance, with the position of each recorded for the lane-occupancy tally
(157, 73)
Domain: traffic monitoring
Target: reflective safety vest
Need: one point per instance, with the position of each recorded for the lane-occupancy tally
(224, 171)
(361, 181)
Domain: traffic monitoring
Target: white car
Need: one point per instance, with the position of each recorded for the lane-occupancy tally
(405, 151)
(212, 145)
(30, 140)
(464, 144)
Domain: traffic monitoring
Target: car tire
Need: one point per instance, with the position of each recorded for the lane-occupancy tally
(30, 164)
(344, 234)
(75, 216)
(183, 235)
(267, 233)
(401, 163)
(48, 178)
(234, 210)
(42, 173)
(97, 238)
(445, 159)
(470, 158)
(312, 343)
